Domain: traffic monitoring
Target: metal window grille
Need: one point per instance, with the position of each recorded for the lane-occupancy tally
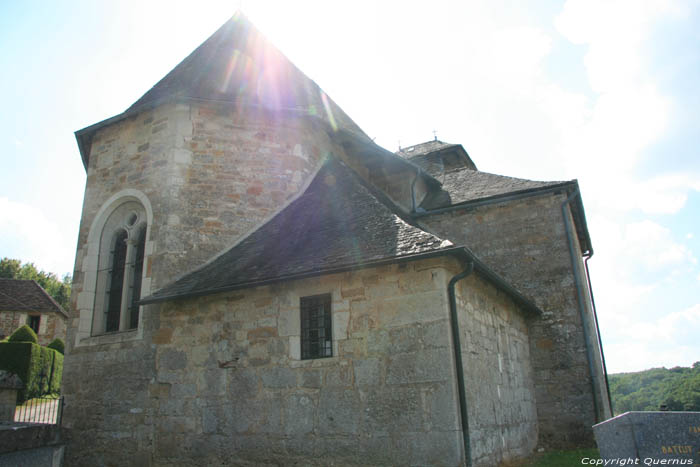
(316, 334)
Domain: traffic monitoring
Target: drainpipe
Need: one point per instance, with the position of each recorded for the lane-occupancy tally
(579, 292)
(586, 257)
(413, 191)
(457, 347)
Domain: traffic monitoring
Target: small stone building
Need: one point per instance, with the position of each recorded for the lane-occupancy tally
(26, 302)
(257, 282)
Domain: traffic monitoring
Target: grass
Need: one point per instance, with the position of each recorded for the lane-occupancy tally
(562, 458)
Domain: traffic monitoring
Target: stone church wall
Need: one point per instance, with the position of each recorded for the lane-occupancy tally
(210, 174)
(525, 242)
(498, 374)
(231, 386)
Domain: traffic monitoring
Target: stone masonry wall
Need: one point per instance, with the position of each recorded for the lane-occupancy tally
(51, 325)
(211, 174)
(525, 242)
(498, 374)
(231, 388)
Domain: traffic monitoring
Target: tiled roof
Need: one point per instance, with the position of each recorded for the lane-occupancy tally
(26, 295)
(336, 223)
(460, 186)
(238, 65)
(424, 148)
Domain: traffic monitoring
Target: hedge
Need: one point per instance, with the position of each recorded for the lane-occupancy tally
(58, 345)
(27, 361)
(23, 334)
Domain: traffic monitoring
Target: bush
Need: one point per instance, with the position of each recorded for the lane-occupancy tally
(24, 334)
(58, 345)
(39, 368)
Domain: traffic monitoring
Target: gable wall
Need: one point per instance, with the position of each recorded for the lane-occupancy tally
(525, 242)
(231, 386)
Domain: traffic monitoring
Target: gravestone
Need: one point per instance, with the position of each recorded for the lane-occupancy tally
(650, 438)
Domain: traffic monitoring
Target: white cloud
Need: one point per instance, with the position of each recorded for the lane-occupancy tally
(28, 235)
(669, 340)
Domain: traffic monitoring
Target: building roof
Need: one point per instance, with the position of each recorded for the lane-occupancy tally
(460, 186)
(466, 186)
(422, 149)
(26, 295)
(428, 156)
(337, 222)
(236, 65)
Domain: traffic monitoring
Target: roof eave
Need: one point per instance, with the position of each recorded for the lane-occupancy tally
(461, 252)
(569, 187)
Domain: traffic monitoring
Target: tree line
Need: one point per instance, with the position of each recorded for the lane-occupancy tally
(677, 388)
(59, 289)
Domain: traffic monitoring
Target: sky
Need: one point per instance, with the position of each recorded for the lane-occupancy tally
(606, 92)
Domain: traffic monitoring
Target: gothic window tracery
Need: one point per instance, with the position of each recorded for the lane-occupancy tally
(120, 270)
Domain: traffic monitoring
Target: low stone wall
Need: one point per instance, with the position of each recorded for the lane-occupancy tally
(31, 445)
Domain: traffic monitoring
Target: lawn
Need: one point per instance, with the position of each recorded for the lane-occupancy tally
(563, 458)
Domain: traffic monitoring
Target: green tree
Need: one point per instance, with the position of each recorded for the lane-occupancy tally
(58, 289)
(677, 388)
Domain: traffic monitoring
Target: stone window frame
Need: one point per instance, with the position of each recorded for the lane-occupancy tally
(122, 272)
(91, 298)
(289, 320)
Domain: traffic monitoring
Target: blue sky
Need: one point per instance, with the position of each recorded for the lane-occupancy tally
(602, 91)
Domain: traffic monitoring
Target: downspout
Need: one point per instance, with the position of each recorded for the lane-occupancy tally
(457, 347)
(588, 256)
(413, 192)
(579, 292)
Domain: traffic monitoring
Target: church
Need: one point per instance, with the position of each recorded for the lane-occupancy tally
(258, 283)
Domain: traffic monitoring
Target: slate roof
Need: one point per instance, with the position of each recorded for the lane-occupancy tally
(460, 186)
(26, 295)
(337, 223)
(422, 149)
(237, 64)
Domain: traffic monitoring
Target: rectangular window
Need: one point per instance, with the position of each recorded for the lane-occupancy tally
(316, 338)
(33, 322)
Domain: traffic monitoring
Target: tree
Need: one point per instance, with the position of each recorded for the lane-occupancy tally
(56, 288)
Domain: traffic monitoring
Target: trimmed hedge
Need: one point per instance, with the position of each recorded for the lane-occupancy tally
(58, 345)
(29, 361)
(23, 334)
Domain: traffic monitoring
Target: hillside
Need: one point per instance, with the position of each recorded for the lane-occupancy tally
(677, 388)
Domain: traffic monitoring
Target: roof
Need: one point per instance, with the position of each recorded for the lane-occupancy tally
(26, 295)
(465, 185)
(424, 148)
(337, 222)
(429, 156)
(236, 65)
(460, 186)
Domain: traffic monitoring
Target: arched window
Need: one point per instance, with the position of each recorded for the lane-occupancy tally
(116, 280)
(120, 270)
